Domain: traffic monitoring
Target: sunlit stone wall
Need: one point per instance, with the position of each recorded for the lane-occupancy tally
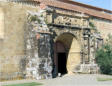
(13, 19)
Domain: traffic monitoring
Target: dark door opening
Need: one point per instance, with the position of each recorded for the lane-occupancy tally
(62, 63)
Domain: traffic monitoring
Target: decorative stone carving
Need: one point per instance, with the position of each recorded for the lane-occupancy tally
(39, 47)
(67, 20)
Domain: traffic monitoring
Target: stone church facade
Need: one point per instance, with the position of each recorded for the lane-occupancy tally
(41, 38)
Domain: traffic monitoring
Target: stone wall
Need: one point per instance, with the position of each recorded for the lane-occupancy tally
(1, 23)
(15, 47)
(103, 26)
(12, 45)
(38, 47)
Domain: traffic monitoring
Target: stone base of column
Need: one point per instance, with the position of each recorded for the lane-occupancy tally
(88, 69)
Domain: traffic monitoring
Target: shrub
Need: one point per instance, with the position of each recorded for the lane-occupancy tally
(104, 57)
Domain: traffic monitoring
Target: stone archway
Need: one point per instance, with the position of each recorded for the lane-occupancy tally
(67, 46)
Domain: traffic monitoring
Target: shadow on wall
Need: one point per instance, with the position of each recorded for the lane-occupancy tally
(22, 67)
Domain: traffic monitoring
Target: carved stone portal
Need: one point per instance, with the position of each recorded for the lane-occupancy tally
(62, 37)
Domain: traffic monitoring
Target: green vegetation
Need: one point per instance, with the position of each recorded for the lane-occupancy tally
(104, 57)
(26, 84)
(91, 24)
(35, 18)
(104, 79)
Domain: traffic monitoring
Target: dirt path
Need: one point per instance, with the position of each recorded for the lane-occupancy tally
(69, 80)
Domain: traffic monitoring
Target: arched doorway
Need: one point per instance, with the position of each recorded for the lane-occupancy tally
(60, 57)
(66, 53)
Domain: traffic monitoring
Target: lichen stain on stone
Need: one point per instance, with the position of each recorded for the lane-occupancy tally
(38, 48)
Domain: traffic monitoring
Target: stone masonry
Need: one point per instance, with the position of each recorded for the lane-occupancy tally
(38, 47)
(28, 34)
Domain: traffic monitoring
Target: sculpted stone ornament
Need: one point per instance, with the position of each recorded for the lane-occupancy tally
(70, 21)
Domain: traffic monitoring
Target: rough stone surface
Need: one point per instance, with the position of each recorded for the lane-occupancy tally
(27, 49)
(12, 45)
(74, 56)
(38, 48)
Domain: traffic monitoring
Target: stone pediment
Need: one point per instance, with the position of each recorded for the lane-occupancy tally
(62, 18)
